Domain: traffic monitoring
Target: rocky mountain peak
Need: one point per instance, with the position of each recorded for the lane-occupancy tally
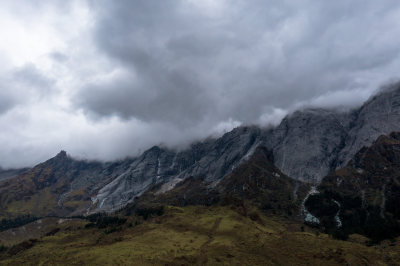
(62, 154)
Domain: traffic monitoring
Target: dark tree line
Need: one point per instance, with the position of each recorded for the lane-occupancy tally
(6, 224)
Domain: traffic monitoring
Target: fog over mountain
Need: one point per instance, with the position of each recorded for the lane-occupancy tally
(104, 80)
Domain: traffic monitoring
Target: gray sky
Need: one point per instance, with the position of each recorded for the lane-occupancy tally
(107, 79)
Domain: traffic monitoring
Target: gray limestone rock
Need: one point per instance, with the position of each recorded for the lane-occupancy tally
(306, 143)
(380, 115)
(311, 143)
(209, 160)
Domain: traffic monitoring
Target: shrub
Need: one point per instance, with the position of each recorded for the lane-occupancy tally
(147, 211)
(112, 230)
(110, 221)
(102, 220)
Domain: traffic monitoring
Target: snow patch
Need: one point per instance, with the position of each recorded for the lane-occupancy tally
(308, 217)
(359, 170)
(337, 217)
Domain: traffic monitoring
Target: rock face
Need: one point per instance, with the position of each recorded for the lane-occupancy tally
(363, 196)
(378, 116)
(210, 160)
(306, 144)
(311, 143)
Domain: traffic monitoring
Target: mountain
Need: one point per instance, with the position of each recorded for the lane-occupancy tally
(59, 186)
(306, 146)
(65, 186)
(363, 196)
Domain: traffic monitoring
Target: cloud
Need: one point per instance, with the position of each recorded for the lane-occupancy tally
(272, 117)
(185, 61)
(106, 79)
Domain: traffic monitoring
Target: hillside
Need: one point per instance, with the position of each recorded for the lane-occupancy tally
(196, 235)
(60, 186)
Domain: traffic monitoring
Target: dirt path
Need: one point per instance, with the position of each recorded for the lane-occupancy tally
(203, 248)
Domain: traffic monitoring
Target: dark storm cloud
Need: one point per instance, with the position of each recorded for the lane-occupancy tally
(189, 61)
(140, 96)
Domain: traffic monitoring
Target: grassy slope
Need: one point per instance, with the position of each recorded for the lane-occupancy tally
(36, 229)
(199, 235)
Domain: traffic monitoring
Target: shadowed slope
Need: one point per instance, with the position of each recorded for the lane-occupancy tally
(366, 192)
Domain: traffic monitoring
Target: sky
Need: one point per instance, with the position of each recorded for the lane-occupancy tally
(108, 79)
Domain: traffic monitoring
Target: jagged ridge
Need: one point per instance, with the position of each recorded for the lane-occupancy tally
(307, 145)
